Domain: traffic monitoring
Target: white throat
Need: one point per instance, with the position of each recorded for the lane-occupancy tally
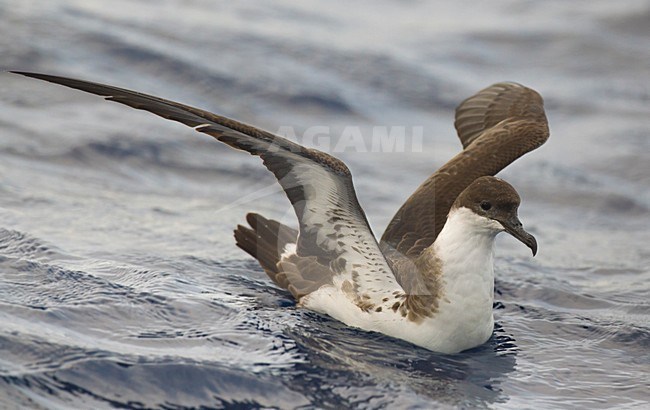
(467, 239)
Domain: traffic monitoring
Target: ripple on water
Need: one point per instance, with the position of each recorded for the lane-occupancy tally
(20, 244)
(158, 384)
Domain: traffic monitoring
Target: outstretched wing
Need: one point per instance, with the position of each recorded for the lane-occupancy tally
(334, 235)
(496, 126)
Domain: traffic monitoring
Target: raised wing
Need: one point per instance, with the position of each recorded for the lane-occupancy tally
(334, 236)
(496, 126)
(494, 104)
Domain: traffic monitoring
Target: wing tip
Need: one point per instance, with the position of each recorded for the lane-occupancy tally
(31, 74)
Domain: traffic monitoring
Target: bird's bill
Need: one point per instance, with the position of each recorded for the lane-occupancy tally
(514, 227)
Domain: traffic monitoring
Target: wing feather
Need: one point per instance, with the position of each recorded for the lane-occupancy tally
(334, 237)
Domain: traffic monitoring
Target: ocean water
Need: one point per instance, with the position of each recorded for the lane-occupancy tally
(121, 286)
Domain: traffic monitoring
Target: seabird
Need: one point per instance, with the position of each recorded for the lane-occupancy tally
(430, 278)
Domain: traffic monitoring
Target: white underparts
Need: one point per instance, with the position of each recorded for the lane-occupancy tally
(464, 316)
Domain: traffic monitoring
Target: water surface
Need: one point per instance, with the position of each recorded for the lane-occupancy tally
(121, 286)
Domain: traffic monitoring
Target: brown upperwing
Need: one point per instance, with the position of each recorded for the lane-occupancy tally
(496, 126)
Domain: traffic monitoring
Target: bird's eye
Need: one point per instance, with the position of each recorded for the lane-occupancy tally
(486, 206)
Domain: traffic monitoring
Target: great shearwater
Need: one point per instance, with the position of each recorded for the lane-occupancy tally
(430, 278)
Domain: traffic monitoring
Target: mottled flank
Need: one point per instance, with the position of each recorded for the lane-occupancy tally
(421, 279)
(365, 304)
(362, 301)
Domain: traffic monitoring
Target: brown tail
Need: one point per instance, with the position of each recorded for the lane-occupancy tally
(265, 241)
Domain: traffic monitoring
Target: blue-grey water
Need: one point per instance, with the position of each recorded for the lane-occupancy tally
(121, 286)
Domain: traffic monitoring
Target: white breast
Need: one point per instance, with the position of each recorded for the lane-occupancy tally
(466, 249)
